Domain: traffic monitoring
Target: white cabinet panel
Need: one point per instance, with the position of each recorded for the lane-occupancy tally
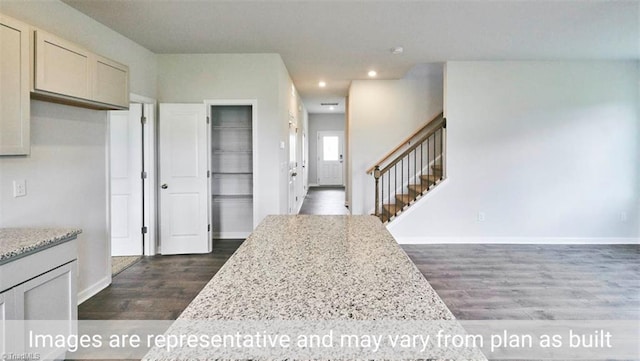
(61, 67)
(6, 313)
(111, 84)
(14, 87)
(68, 73)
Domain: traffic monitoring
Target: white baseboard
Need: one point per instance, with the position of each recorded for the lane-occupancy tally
(230, 235)
(517, 240)
(92, 290)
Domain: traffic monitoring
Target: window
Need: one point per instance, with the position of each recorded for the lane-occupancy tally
(330, 148)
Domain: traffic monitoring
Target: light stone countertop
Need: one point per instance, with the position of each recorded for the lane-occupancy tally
(304, 275)
(19, 242)
(318, 268)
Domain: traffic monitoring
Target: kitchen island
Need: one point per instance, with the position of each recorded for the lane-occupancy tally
(318, 268)
(324, 276)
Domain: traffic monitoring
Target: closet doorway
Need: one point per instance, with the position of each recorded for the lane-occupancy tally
(232, 185)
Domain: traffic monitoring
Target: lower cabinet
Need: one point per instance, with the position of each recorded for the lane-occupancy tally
(44, 302)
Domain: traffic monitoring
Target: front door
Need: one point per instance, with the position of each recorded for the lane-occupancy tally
(330, 158)
(183, 182)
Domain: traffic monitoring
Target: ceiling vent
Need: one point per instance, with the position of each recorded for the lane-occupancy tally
(329, 104)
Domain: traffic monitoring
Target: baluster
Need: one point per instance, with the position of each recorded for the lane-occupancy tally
(376, 175)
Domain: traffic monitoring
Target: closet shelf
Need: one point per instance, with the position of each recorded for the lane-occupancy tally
(220, 151)
(217, 127)
(232, 173)
(220, 197)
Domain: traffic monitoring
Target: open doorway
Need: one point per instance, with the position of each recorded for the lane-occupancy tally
(327, 160)
(132, 174)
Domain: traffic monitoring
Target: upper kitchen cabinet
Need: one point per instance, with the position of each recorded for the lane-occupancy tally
(111, 85)
(61, 67)
(14, 87)
(68, 73)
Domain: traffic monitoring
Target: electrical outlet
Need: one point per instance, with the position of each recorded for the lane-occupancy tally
(19, 188)
(481, 217)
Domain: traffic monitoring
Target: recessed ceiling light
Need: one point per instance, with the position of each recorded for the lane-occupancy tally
(397, 50)
(331, 107)
(372, 73)
(322, 84)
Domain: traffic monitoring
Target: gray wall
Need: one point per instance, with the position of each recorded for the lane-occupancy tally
(382, 113)
(193, 78)
(319, 122)
(548, 151)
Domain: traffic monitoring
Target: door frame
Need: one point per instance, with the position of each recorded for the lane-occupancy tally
(151, 166)
(320, 145)
(254, 148)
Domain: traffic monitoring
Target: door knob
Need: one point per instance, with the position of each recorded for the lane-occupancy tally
(164, 186)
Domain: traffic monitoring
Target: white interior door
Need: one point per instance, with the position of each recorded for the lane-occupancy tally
(184, 203)
(126, 182)
(293, 168)
(330, 158)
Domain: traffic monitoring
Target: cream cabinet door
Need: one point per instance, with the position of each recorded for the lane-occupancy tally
(6, 314)
(14, 87)
(51, 296)
(62, 67)
(111, 82)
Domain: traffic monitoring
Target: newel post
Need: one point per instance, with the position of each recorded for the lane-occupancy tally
(376, 175)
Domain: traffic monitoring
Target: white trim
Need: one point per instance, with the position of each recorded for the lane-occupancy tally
(94, 289)
(135, 98)
(151, 157)
(107, 157)
(230, 235)
(312, 185)
(517, 240)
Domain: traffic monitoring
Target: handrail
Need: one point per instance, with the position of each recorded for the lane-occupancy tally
(406, 141)
(437, 127)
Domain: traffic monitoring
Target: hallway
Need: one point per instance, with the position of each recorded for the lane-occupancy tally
(324, 201)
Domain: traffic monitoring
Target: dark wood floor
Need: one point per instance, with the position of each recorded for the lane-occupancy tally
(540, 282)
(477, 282)
(325, 201)
(158, 287)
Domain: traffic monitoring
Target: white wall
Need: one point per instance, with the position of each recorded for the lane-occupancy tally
(192, 78)
(320, 122)
(381, 114)
(66, 184)
(66, 171)
(549, 151)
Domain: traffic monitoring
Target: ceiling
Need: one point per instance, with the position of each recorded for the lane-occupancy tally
(340, 41)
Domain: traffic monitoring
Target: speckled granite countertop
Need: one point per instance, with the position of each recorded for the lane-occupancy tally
(19, 242)
(318, 268)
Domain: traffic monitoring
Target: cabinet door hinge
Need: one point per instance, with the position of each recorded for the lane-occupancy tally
(208, 174)
(208, 120)
(208, 228)
(144, 230)
(143, 175)
(143, 120)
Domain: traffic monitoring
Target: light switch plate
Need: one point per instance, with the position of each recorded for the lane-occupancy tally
(19, 188)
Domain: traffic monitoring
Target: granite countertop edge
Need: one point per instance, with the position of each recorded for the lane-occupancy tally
(16, 243)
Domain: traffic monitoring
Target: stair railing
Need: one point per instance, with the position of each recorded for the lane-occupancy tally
(412, 173)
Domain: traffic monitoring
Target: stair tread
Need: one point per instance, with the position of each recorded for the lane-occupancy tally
(404, 198)
(430, 177)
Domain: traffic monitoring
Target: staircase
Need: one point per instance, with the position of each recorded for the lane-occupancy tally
(410, 170)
